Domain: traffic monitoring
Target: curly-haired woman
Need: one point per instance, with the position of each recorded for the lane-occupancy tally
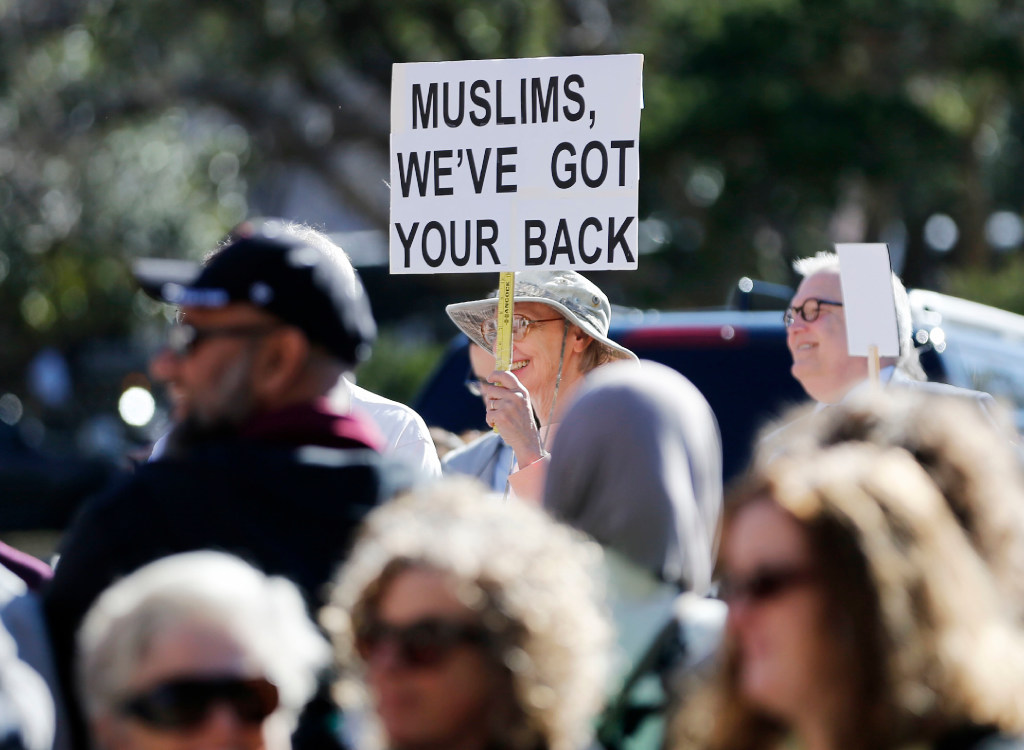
(473, 625)
(973, 457)
(859, 616)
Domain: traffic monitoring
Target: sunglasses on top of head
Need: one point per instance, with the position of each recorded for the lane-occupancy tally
(422, 644)
(184, 704)
(764, 584)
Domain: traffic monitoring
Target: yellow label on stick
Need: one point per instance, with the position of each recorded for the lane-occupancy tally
(506, 302)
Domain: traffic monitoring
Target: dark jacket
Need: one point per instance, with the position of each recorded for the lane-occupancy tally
(289, 510)
(972, 737)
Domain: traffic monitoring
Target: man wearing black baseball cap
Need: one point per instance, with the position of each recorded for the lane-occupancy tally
(404, 433)
(268, 323)
(260, 464)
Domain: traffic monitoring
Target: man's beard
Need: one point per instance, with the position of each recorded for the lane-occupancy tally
(234, 404)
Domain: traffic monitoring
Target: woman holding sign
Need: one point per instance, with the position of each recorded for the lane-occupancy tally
(559, 334)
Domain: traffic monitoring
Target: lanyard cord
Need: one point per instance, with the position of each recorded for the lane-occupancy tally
(558, 382)
(508, 484)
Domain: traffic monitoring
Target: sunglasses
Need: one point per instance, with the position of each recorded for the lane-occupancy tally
(182, 339)
(809, 310)
(520, 327)
(764, 584)
(184, 704)
(423, 644)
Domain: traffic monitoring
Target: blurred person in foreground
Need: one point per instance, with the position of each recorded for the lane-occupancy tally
(28, 714)
(859, 616)
(487, 457)
(462, 624)
(639, 469)
(30, 699)
(405, 435)
(816, 337)
(973, 464)
(261, 465)
(559, 334)
(30, 711)
(198, 650)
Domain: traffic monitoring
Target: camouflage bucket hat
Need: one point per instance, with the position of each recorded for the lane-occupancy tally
(573, 296)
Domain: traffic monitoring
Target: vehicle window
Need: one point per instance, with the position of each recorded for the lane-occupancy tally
(987, 363)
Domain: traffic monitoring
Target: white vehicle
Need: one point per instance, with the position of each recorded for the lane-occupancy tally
(971, 345)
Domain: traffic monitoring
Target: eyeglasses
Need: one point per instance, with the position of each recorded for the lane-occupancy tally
(473, 386)
(182, 339)
(520, 327)
(184, 704)
(423, 644)
(764, 584)
(809, 310)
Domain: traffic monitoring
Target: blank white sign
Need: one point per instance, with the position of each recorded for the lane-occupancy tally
(866, 278)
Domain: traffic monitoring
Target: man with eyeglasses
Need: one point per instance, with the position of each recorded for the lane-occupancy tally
(261, 464)
(816, 336)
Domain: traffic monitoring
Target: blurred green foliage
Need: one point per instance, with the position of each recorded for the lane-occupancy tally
(772, 128)
(399, 366)
(1002, 287)
(779, 127)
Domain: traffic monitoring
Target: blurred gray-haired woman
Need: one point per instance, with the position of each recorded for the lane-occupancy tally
(197, 650)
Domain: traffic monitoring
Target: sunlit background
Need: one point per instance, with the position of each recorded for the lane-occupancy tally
(772, 129)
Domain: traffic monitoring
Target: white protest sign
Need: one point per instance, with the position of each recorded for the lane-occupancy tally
(868, 302)
(508, 165)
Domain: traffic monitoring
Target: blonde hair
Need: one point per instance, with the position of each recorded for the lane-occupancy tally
(533, 580)
(593, 356)
(918, 629)
(967, 452)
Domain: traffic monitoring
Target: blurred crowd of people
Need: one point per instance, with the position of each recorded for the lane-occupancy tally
(299, 564)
